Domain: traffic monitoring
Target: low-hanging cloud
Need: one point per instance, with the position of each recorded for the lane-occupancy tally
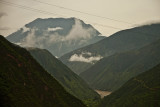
(32, 40)
(81, 58)
(78, 32)
(55, 41)
(87, 53)
(25, 29)
(55, 29)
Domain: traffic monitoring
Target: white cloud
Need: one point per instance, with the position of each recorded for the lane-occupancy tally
(81, 58)
(87, 53)
(32, 41)
(55, 38)
(18, 43)
(55, 29)
(78, 32)
(25, 29)
(29, 41)
(56, 57)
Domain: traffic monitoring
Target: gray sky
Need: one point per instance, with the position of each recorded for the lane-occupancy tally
(136, 12)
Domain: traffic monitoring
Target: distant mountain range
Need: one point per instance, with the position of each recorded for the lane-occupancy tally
(113, 71)
(82, 59)
(58, 35)
(140, 91)
(71, 81)
(24, 83)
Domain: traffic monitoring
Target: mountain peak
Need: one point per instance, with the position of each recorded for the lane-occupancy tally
(58, 35)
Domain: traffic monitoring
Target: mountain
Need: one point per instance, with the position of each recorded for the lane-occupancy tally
(71, 82)
(112, 72)
(58, 35)
(24, 83)
(81, 59)
(140, 91)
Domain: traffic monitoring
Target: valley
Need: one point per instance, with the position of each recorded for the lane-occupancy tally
(65, 62)
(119, 42)
(103, 93)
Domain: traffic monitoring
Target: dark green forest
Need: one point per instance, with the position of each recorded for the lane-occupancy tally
(71, 81)
(24, 83)
(140, 91)
(129, 67)
(112, 72)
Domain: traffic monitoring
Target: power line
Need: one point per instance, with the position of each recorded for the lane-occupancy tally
(50, 13)
(107, 26)
(29, 8)
(83, 12)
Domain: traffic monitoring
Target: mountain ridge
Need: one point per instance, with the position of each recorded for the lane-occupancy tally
(125, 40)
(111, 72)
(139, 91)
(23, 82)
(68, 79)
(58, 35)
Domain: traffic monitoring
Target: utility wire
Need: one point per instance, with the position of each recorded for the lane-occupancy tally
(29, 8)
(83, 12)
(50, 13)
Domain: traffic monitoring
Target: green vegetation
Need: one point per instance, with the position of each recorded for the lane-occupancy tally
(112, 72)
(121, 41)
(140, 91)
(71, 82)
(24, 83)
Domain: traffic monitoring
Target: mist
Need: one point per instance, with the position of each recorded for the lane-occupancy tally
(50, 36)
(81, 58)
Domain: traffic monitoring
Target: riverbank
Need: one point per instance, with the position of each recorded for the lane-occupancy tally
(103, 93)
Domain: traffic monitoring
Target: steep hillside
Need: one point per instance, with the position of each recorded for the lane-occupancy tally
(72, 82)
(140, 91)
(111, 72)
(135, 38)
(24, 83)
(58, 35)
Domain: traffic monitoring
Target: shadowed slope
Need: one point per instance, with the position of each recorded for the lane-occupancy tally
(125, 40)
(111, 72)
(23, 82)
(140, 91)
(71, 82)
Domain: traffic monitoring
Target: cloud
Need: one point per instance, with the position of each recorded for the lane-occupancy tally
(81, 58)
(87, 53)
(18, 43)
(79, 32)
(55, 29)
(3, 14)
(25, 29)
(32, 40)
(47, 38)
(29, 41)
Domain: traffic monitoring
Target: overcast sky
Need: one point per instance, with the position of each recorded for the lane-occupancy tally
(136, 12)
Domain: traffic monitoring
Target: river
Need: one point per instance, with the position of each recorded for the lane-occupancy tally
(103, 93)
